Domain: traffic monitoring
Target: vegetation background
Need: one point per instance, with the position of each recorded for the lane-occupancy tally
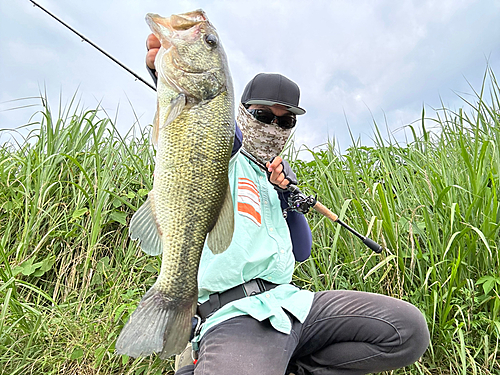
(70, 277)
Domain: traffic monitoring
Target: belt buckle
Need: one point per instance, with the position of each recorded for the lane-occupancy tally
(197, 328)
(252, 287)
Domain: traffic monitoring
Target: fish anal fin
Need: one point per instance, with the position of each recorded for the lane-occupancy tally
(221, 235)
(143, 227)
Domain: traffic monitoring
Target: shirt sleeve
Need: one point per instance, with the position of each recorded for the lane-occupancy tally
(300, 232)
(238, 140)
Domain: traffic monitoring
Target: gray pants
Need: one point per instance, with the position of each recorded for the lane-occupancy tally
(346, 332)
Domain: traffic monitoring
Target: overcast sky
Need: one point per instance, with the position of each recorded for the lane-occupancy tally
(354, 61)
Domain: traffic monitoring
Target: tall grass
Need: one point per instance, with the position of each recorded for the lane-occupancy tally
(434, 204)
(70, 277)
(69, 274)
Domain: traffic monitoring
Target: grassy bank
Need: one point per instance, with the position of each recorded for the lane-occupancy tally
(70, 277)
(434, 205)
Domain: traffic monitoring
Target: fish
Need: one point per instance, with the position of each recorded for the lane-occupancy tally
(190, 202)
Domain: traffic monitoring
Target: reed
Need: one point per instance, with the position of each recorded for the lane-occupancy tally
(433, 203)
(69, 274)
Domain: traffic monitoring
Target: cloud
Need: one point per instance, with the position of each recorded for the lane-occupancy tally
(355, 62)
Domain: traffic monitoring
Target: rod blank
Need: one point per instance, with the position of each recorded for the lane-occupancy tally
(95, 46)
(320, 208)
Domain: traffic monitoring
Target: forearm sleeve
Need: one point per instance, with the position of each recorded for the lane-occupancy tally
(152, 73)
(300, 232)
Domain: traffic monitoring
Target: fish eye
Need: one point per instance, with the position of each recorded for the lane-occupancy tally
(211, 40)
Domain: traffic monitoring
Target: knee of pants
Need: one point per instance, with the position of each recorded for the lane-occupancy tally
(418, 337)
(186, 370)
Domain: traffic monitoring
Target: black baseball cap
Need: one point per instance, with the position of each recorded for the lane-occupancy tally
(271, 88)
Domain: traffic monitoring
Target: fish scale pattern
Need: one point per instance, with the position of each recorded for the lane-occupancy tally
(189, 188)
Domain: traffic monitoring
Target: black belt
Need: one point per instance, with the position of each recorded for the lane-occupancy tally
(217, 300)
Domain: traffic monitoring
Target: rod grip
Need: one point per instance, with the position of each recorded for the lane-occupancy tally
(372, 245)
(325, 212)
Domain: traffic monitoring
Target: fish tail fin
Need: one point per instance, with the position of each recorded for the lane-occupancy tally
(158, 325)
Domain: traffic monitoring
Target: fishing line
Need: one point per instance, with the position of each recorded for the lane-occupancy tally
(298, 202)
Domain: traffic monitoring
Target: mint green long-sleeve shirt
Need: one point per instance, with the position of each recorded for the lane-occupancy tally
(260, 248)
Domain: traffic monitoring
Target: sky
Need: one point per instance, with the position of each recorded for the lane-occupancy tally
(357, 62)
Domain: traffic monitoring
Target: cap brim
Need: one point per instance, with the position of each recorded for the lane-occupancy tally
(293, 109)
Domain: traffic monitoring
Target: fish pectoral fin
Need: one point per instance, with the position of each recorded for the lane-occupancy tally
(143, 227)
(156, 125)
(174, 109)
(221, 235)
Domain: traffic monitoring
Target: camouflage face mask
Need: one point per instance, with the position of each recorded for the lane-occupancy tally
(264, 141)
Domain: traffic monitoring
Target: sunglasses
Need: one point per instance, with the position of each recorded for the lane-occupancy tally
(267, 117)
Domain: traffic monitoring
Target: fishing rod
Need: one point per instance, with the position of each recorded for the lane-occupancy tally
(297, 201)
(95, 46)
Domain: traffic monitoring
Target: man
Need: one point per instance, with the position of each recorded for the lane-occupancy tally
(252, 320)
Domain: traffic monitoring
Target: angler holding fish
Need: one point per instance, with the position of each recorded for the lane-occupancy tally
(251, 319)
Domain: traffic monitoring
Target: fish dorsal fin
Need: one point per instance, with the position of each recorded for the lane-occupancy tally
(143, 227)
(174, 109)
(219, 238)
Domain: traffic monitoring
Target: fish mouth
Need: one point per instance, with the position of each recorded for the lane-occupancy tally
(186, 26)
(180, 35)
(187, 20)
(177, 25)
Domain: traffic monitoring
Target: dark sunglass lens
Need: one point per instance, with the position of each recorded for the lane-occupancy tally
(287, 122)
(267, 117)
(263, 116)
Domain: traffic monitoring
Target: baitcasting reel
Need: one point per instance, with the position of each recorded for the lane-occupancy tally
(298, 201)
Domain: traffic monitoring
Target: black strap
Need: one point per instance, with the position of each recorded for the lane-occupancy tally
(217, 300)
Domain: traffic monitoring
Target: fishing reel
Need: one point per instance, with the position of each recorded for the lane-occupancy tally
(298, 201)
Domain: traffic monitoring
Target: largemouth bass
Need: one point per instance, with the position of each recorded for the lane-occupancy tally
(193, 134)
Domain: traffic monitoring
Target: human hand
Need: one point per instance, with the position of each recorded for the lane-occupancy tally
(153, 45)
(280, 174)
